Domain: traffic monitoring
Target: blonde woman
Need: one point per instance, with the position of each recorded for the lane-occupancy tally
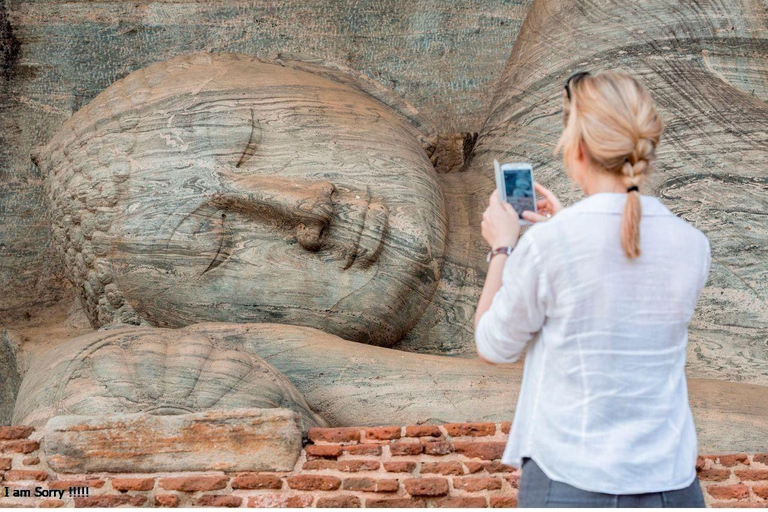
(603, 290)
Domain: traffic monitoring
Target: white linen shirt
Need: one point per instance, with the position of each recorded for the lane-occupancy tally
(603, 404)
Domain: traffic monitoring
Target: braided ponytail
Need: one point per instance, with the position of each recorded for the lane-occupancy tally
(613, 115)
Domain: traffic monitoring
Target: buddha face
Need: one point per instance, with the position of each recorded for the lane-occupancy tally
(244, 191)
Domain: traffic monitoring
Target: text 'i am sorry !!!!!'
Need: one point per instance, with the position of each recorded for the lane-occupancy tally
(41, 492)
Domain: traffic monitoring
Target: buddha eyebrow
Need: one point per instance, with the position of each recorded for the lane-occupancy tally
(254, 139)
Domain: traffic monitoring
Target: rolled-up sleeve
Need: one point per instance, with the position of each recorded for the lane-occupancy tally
(518, 309)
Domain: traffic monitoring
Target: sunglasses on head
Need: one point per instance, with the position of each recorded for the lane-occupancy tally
(573, 78)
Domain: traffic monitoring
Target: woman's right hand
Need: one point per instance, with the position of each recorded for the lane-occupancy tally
(546, 207)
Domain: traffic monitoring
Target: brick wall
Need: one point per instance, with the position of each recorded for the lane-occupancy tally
(451, 465)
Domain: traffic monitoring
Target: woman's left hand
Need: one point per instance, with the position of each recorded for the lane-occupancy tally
(500, 224)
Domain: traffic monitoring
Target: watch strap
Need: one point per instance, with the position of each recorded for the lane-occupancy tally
(499, 250)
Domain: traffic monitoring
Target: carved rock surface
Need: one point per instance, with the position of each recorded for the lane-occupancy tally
(705, 64)
(353, 384)
(234, 440)
(10, 379)
(153, 371)
(225, 187)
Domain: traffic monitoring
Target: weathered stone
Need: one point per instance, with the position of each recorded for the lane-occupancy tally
(155, 371)
(235, 440)
(113, 236)
(705, 67)
(10, 381)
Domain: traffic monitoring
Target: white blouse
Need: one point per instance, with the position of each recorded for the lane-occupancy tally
(603, 404)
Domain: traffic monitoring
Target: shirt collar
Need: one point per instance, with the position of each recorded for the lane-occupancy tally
(613, 202)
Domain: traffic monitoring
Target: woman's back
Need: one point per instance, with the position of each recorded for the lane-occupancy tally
(604, 403)
(604, 291)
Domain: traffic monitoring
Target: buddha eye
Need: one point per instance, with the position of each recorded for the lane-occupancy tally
(203, 238)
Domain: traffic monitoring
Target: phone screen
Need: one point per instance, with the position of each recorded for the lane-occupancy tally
(518, 185)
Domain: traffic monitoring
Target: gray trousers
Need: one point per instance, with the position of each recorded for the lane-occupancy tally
(539, 491)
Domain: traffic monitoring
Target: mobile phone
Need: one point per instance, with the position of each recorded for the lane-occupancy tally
(514, 182)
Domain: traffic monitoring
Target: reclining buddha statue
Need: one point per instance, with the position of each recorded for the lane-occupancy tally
(289, 208)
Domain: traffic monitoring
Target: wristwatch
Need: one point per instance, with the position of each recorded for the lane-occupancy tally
(498, 250)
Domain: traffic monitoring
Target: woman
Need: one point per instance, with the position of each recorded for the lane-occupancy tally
(604, 291)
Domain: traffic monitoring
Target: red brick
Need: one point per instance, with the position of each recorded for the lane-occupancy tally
(5, 463)
(352, 466)
(256, 481)
(480, 450)
(340, 501)
(387, 485)
(474, 467)
(762, 458)
(514, 480)
(470, 429)
(93, 483)
(363, 449)
(313, 482)
(110, 500)
(133, 484)
(474, 484)
(714, 475)
(498, 467)
(752, 474)
(506, 426)
(437, 447)
(219, 500)
(503, 502)
(426, 486)
(400, 467)
(370, 485)
(16, 432)
(423, 431)
(761, 490)
(359, 484)
(194, 483)
(319, 464)
(395, 503)
(327, 451)
(26, 474)
(334, 435)
(51, 504)
(21, 446)
(403, 448)
(444, 468)
(30, 461)
(382, 433)
(700, 463)
(454, 502)
(738, 504)
(729, 460)
(727, 492)
(277, 500)
(166, 500)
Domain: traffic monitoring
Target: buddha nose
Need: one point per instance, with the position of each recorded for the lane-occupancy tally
(306, 207)
(319, 208)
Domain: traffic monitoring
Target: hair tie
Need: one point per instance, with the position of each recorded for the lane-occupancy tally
(633, 188)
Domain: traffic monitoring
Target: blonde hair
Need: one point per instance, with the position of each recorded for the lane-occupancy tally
(616, 120)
